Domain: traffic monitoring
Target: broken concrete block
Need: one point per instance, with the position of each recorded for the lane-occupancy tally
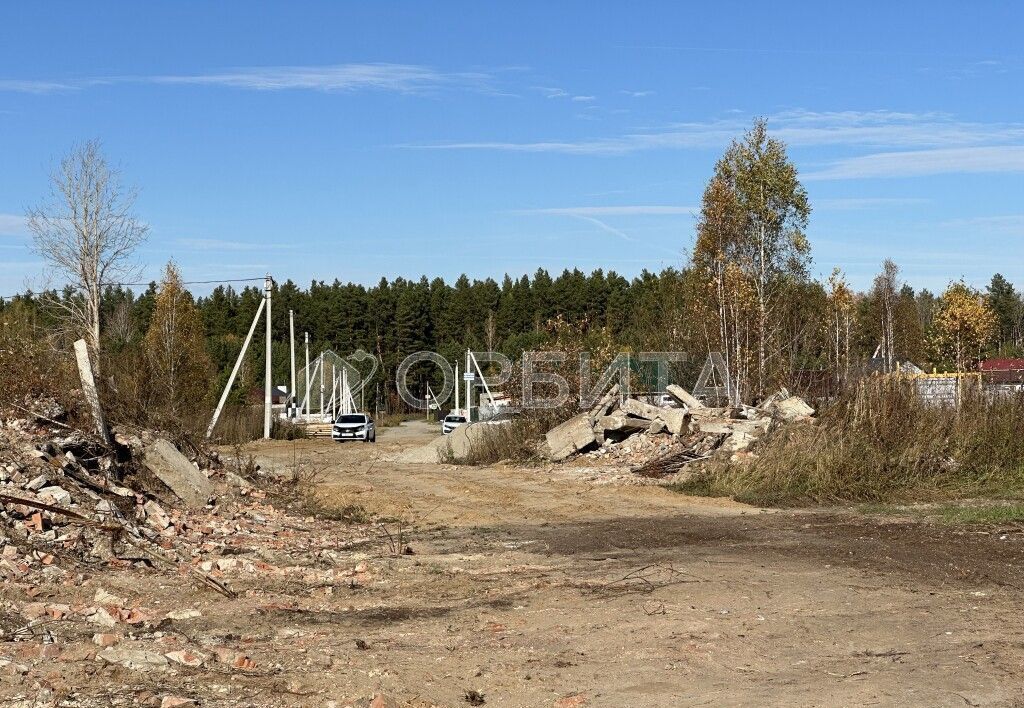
(234, 480)
(186, 657)
(100, 616)
(769, 403)
(738, 441)
(606, 404)
(674, 418)
(59, 495)
(171, 701)
(756, 427)
(717, 426)
(793, 407)
(570, 437)
(458, 444)
(640, 409)
(38, 483)
(174, 469)
(656, 426)
(105, 639)
(458, 441)
(105, 598)
(710, 412)
(619, 421)
(134, 659)
(683, 396)
(156, 516)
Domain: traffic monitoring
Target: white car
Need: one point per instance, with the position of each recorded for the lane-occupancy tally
(354, 426)
(451, 422)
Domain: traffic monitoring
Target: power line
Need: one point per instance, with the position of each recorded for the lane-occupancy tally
(193, 282)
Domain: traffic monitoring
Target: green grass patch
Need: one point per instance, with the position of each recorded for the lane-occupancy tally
(986, 514)
(966, 513)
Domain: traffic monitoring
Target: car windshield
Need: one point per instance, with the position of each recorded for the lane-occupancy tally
(350, 419)
(455, 419)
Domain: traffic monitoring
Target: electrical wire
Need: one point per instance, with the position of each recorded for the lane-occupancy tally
(193, 282)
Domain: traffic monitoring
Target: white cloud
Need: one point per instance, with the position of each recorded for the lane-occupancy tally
(1004, 225)
(401, 78)
(916, 163)
(887, 128)
(798, 128)
(552, 92)
(639, 210)
(38, 87)
(13, 225)
(555, 92)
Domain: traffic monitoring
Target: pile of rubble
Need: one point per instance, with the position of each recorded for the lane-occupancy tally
(67, 494)
(108, 551)
(660, 440)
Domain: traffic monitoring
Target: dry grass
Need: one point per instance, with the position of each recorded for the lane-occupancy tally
(242, 424)
(880, 443)
(515, 440)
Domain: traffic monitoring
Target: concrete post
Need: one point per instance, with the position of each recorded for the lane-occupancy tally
(89, 389)
(291, 343)
(268, 288)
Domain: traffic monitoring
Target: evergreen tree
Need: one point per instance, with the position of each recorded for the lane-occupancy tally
(1009, 311)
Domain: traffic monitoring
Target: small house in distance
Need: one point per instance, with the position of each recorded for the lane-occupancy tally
(1003, 372)
(278, 396)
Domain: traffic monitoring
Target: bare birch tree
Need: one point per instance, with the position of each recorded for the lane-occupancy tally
(86, 232)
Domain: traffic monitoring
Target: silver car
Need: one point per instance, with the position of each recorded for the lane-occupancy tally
(354, 426)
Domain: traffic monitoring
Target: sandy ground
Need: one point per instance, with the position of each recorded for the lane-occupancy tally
(506, 586)
(536, 587)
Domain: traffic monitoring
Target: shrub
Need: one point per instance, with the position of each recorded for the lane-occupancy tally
(515, 440)
(880, 442)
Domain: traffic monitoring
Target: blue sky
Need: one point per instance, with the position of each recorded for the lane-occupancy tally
(360, 140)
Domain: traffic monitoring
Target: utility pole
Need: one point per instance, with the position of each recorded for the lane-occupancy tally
(455, 408)
(469, 389)
(234, 371)
(291, 342)
(268, 288)
(344, 391)
(334, 391)
(307, 377)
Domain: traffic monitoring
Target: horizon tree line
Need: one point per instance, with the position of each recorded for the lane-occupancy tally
(745, 292)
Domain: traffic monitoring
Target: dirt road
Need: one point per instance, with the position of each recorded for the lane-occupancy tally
(540, 587)
(433, 585)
